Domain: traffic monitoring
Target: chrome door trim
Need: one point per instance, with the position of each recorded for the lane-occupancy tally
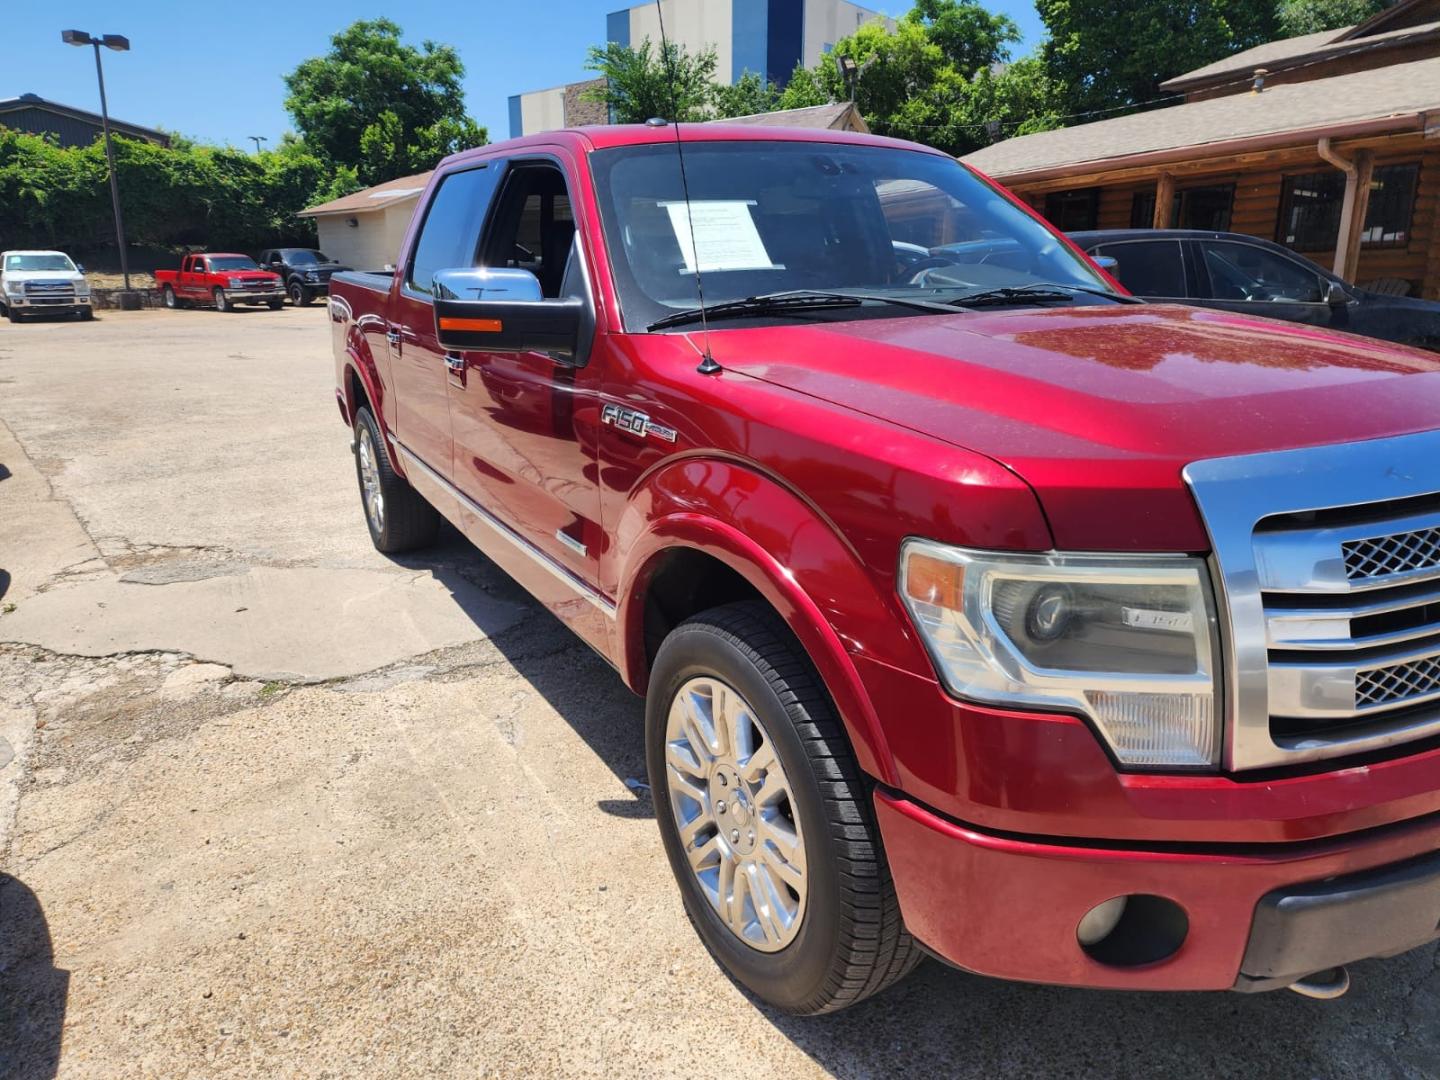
(506, 533)
(1234, 495)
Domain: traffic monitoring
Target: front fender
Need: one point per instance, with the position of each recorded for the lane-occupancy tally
(790, 554)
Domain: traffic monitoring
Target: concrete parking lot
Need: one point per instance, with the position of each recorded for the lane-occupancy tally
(274, 804)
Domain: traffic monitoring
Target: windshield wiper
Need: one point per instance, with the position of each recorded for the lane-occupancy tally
(1040, 292)
(796, 301)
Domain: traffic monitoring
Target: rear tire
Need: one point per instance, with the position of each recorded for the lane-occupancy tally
(844, 939)
(398, 518)
(222, 302)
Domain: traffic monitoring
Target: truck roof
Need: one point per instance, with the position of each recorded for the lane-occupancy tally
(605, 136)
(32, 251)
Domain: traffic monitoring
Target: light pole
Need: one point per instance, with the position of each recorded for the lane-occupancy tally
(257, 140)
(128, 300)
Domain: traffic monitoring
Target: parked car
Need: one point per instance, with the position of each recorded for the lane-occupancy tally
(220, 279)
(305, 271)
(978, 607)
(1244, 274)
(42, 283)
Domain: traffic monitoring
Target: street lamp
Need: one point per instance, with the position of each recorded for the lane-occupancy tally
(850, 71)
(257, 140)
(128, 300)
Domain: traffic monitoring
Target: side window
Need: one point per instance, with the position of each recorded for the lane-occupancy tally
(534, 228)
(450, 235)
(1247, 272)
(1149, 267)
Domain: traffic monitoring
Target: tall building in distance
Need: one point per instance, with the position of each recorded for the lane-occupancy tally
(768, 37)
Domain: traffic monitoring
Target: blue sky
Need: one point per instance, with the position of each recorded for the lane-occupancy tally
(211, 72)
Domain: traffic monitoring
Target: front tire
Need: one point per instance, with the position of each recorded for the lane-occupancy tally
(301, 296)
(168, 295)
(222, 302)
(396, 515)
(766, 818)
(275, 305)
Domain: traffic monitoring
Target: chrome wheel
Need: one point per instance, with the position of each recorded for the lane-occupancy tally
(735, 813)
(370, 481)
(169, 297)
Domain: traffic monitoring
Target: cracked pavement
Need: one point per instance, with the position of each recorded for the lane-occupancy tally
(274, 804)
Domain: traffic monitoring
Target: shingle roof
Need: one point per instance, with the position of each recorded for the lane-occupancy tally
(372, 198)
(841, 116)
(1293, 52)
(1399, 92)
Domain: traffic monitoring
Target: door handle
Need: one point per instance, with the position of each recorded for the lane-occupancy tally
(393, 337)
(454, 363)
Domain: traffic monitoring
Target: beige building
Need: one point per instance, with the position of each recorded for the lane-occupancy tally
(767, 37)
(365, 230)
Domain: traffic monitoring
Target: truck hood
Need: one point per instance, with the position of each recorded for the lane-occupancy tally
(1099, 408)
(13, 276)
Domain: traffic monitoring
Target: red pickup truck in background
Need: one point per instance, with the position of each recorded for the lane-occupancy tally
(221, 280)
(978, 607)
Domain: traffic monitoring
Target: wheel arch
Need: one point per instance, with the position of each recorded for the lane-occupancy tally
(723, 553)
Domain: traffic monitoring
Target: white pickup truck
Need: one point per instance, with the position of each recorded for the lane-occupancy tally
(40, 282)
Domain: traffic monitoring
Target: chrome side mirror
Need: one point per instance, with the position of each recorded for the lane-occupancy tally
(504, 310)
(487, 283)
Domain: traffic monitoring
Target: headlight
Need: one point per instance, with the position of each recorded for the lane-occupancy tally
(311, 275)
(14, 288)
(1127, 642)
(82, 288)
(236, 283)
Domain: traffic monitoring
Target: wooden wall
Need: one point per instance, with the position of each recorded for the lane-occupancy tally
(1256, 209)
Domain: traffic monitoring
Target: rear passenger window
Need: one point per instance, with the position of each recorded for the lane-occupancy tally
(1149, 267)
(450, 236)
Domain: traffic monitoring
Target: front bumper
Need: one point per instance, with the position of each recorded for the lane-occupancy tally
(1259, 916)
(48, 303)
(254, 295)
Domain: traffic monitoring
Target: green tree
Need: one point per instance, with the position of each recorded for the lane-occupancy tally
(970, 37)
(648, 82)
(747, 96)
(1016, 99)
(379, 106)
(1297, 17)
(1115, 55)
(805, 90)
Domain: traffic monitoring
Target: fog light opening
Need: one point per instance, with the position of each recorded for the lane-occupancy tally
(1128, 931)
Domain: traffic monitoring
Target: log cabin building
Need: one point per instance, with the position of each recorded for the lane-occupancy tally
(1327, 143)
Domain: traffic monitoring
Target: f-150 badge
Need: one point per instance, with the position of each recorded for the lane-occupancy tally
(637, 423)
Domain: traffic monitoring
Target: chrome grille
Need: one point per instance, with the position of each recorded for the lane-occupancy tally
(1379, 556)
(1327, 560)
(1397, 684)
(49, 288)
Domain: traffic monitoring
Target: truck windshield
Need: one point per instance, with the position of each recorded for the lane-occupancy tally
(232, 262)
(302, 257)
(779, 217)
(39, 262)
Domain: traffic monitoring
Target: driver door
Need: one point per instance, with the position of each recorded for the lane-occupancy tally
(525, 424)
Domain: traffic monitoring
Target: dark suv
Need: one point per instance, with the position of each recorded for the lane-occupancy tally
(306, 272)
(1251, 276)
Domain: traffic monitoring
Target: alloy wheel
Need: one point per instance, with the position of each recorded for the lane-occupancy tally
(370, 481)
(736, 814)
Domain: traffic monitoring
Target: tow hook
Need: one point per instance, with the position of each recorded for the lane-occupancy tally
(1324, 985)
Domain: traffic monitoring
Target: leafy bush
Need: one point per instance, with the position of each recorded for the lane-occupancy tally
(182, 195)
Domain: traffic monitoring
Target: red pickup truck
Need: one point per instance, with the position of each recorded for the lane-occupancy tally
(979, 608)
(221, 280)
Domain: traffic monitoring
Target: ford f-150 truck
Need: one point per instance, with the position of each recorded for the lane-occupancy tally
(219, 279)
(978, 607)
(42, 283)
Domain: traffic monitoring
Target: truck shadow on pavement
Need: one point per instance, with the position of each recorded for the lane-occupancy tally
(33, 991)
(941, 1022)
(584, 690)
